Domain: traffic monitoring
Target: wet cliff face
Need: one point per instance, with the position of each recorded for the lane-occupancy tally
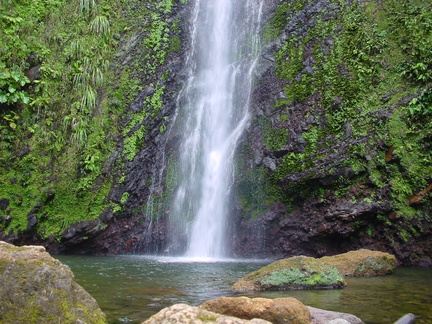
(327, 164)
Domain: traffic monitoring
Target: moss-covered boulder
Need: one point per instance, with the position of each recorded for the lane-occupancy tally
(182, 313)
(36, 288)
(276, 311)
(362, 263)
(298, 272)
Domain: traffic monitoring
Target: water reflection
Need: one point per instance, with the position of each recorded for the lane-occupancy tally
(129, 289)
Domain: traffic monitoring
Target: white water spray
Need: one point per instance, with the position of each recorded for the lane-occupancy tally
(212, 113)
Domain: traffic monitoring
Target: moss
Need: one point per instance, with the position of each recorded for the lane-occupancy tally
(207, 318)
(296, 272)
(297, 277)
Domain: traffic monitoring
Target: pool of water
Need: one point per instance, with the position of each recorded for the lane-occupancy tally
(129, 289)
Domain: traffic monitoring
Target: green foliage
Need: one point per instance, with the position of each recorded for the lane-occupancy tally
(411, 28)
(372, 57)
(100, 25)
(274, 138)
(124, 198)
(64, 123)
(10, 84)
(87, 7)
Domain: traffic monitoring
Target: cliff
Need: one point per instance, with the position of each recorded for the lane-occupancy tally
(337, 155)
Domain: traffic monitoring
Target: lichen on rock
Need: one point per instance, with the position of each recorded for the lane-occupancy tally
(298, 272)
(37, 288)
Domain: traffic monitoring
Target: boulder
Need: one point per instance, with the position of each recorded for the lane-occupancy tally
(182, 313)
(320, 316)
(362, 263)
(36, 288)
(278, 310)
(298, 272)
(406, 319)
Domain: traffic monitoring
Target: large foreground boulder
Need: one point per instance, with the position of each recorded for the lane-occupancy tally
(321, 316)
(276, 311)
(362, 263)
(182, 313)
(36, 288)
(298, 272)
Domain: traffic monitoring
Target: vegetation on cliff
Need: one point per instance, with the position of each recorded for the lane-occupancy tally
(353, 121)
(67, 80)
(84, 86)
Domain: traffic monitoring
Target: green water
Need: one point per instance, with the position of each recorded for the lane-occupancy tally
(129, 289)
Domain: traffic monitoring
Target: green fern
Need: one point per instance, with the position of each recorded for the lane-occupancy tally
(100, 25)
(88, 100)
(87, 7)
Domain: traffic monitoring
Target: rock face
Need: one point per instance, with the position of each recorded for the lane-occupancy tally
(362, 263)
(315, 177)
(36, 288)
(331, 160)
(278, 310)
(320, 316)
(293, 273)
(182, 313)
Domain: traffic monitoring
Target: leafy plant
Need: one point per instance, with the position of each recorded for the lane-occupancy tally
(11, 83)
(100, 25)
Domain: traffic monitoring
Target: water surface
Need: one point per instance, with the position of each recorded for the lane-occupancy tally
(129, 289)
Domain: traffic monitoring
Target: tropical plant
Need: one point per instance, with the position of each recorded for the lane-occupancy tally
(11, 83)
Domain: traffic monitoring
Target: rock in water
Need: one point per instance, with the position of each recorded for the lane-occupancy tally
(299, 272)
(362, 263)
(277, 311)
(36, 288)
(182, 313)
(320, 316)
(406, 319)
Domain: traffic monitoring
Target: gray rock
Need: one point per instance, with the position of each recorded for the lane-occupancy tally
(406, 319)
(321, 316)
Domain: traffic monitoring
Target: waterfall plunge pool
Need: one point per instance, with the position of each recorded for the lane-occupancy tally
(129, 289)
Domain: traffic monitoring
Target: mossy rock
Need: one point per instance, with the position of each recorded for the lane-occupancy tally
(298, 272)
(362, 263)
(36, 288)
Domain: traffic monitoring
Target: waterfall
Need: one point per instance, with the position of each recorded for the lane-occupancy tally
(212, 112)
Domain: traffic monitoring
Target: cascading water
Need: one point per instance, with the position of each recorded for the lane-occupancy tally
(212, 112)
